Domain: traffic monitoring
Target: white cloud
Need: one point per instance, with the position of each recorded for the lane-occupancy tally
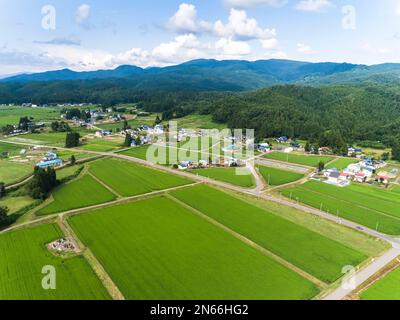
(185, 20)
(82, 14)
(230, 49)
(134, 56)
(184, 47)
(305, 49)
(241, 27)
(254, 3)
(314, 5)
(269, 43)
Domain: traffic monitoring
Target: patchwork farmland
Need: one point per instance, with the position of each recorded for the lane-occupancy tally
(189, 257)
(144, 231)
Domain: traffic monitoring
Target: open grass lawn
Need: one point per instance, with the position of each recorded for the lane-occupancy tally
(322, 257)
(24, 254)
(227, 175)
(277, 177)
(66, 155)
(374, 208)
(56, 139)
(51, 139)
(12, 172)
(156, 249)
(342, 163)
(11, 149)
(80, 193)
(305, 160)
(388, 288)
(102, 145)
(67, 172)
(15, 204)
(130, 179)
(138, 152)
(196, 121)
(11, 115)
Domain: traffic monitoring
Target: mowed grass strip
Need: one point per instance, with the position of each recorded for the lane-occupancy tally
(277, 177)
(319, 256)
(228, 175)
(80, 193)
(130, 179)
(342, 163)
(387, 288)
(345, 203)
(305, 160)
(24, 254)
(156, 249)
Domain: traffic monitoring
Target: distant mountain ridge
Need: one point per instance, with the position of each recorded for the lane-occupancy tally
(255, 74)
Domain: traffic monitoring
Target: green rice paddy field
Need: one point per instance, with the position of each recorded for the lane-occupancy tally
(130, 179)
(12, 172)
(227, 175)
(387, 288)
(277, 177)
(157, 249)
(305, 160)
(322, 257)
(80, 193)
(24, 254)
(371, 207)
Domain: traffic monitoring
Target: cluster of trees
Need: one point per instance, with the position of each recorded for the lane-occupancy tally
(43, 181)
(3, 215)
(327, 116)
(72, 139)
(25, 123)
(61, 126)
(76, 113)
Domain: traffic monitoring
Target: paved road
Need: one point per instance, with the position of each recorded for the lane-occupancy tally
(338, 294)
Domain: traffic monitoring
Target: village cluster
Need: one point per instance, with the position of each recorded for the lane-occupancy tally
(365, 171)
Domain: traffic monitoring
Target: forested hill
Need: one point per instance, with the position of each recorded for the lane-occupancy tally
(341, 112)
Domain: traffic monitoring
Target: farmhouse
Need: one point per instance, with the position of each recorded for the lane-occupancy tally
(50, 160)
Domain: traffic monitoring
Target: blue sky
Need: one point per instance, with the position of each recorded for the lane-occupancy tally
(102, 34)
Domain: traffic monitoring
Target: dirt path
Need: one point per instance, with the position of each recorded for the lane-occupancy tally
(108, 283)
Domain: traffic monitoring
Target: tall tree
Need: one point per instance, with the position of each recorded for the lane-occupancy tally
(396, 151)
(128, 140)
(72, 139)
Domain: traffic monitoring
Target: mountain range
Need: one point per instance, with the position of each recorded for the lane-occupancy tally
(232, 75)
